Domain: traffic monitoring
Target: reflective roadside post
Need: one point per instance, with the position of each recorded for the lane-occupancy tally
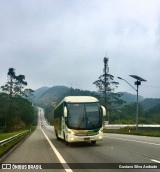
(137, 83)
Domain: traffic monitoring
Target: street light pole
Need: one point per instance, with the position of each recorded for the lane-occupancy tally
(137, 114)
(138, 82)
(136, 103)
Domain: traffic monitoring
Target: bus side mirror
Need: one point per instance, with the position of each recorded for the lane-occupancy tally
(103, 111)
(65, 111)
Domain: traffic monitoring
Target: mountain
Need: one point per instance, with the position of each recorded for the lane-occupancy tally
(149, 103)
(45, 95)
(55, 94)
(49, 96)
(40, 91)
(155, 110)
(130, 98)
(149, 108)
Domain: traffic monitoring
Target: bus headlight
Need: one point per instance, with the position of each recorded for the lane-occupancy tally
(100, 137)
(72, 138)
(70, 132)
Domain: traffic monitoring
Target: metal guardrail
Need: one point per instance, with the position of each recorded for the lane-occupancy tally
(118, 126)
(8, 140)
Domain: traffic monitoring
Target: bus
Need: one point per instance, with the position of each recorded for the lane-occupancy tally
(79, 119)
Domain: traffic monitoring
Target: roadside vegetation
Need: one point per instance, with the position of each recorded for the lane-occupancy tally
(16, 110)
(4, 148)
(5, 135)
(17, 114)
(10, 134)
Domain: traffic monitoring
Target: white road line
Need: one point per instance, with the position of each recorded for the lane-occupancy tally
(62, 161)
(157, 144)
(155, 160)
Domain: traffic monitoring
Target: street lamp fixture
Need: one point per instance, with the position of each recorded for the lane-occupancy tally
(137, 82)
(127, 82)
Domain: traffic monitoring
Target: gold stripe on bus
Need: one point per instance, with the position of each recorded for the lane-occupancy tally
(80, 131)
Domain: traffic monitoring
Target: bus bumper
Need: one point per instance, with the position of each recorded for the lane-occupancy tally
(74, 138)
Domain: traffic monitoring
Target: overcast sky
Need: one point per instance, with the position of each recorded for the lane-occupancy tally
(63, 42)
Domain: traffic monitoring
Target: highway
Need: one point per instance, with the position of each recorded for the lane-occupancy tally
(43, 147)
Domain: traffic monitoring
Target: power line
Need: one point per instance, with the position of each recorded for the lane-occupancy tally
(151, 86)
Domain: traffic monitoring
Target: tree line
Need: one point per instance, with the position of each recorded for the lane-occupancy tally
(16, 110)
(118, 111)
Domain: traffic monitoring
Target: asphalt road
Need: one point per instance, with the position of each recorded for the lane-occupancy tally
(43, 147)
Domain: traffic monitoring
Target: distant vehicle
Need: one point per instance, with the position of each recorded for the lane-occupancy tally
(79, 119)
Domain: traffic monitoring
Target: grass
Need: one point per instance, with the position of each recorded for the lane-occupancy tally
(7, 135)
(5, 148)
(132, 131)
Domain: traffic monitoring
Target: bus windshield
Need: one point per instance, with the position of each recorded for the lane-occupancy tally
(84, 115)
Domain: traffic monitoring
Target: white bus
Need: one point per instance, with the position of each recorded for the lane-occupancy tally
(79, 119)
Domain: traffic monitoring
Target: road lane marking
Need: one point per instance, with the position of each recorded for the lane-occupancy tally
(154, 160)
(157, 144)
(62, 161)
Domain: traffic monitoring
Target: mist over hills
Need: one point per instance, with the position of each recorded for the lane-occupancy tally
(45, 95)
(128, 97)
(53, 95)
(39, 92)
(150, 103)
(149, 109)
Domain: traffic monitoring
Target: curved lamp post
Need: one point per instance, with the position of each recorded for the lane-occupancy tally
(137, 82)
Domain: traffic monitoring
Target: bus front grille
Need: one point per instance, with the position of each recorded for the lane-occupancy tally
(86, 134)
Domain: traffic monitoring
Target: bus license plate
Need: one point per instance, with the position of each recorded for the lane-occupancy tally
(87, 138)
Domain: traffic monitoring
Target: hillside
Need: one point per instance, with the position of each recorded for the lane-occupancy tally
(40, 91)
(55, 94)
(130, 98)
(49, 96)
(148, 109)
(45, 95)
(155, 109)
(153, 114)
(149, 103)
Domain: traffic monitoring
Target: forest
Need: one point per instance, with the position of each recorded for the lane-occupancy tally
(16, 110)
